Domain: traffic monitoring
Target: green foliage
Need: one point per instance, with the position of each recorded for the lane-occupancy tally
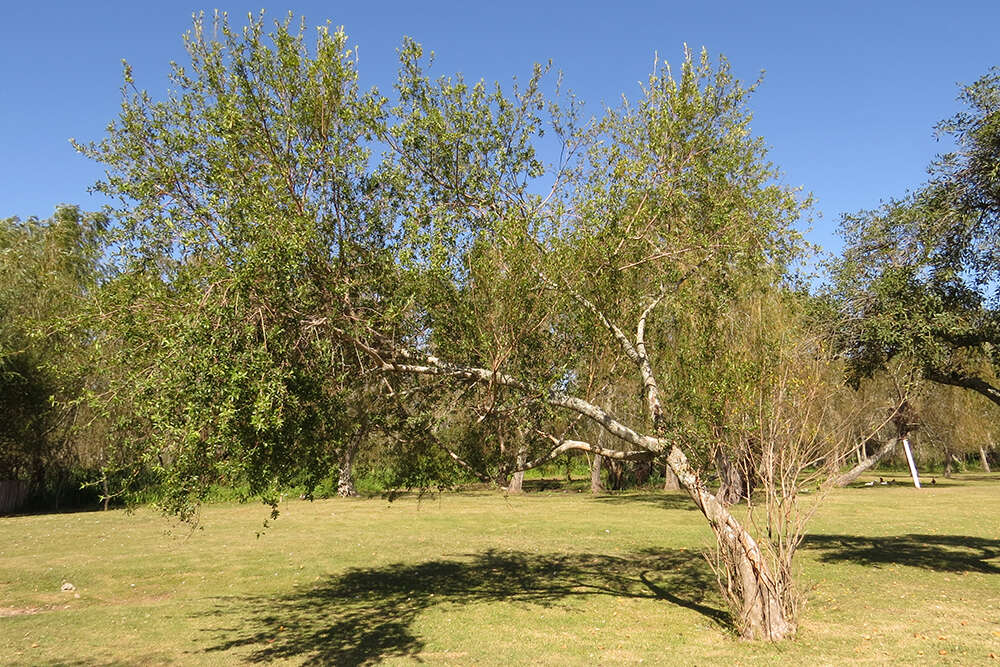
(252, 233)
(286, 240)
(48, 269)
(918, 276)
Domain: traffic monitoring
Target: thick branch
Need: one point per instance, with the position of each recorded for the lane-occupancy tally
(434, 366)
(868, 463)
(957, 379)
(613, 328)
(564, 446)
(646, 368)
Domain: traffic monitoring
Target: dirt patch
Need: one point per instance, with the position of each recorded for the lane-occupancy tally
(27, 611)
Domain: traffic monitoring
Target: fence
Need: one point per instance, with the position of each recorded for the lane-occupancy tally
(13, 493)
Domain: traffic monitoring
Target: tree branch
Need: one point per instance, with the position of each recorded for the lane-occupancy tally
(434, 366)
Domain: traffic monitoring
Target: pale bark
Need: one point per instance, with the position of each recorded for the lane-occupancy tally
(670, 480)
(749, 578)
(345, 480)
(596, 486)
(434, 366)
(982, 457)
(866, 464)
(516, 483)
(517, 479)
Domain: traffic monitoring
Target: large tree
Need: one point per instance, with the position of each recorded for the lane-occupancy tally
(289, 244)
(918, 276)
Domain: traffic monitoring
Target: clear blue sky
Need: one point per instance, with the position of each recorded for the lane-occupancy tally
(851, 92)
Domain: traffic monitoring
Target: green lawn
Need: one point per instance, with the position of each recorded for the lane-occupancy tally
(893, 575)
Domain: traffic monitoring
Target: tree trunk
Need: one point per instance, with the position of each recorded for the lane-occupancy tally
(732, 481)
(517, 479)
(503, 478)
(516, 482)
(859, 469)
(670, 481)
(757, 596)
(595, 474)
(985, 461)
(106, 497)
(616, 475)
(345, 481)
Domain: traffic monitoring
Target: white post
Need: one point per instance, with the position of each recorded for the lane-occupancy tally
(909, 459)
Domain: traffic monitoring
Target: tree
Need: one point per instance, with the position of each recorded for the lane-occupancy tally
(955, 423)
(917, 277)
(48, 268)
(288, 242)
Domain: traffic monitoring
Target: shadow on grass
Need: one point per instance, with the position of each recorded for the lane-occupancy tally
(941, 553)
(667, 501)
(365, 615)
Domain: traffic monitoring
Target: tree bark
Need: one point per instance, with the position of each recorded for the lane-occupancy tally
(757, 594)
(732, 481)
(670, 480)
(595, 474)
(345, 480)
(859, 469)
(982, 457)
(517, 479)
(749, 583)
(106, 497)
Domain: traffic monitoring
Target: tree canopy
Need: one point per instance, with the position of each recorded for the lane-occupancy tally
(918, 275)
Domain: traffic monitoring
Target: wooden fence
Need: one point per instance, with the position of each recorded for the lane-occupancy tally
(13, 492)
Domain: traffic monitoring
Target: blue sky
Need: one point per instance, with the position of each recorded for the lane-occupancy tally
(850, 96)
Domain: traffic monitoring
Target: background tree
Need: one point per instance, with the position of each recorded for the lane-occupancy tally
(48, 269)
(918, 276)
(954, 425)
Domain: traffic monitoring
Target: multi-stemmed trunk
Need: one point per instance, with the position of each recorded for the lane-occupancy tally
(757, 595)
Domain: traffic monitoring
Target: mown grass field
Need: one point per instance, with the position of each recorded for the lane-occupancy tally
(893, 575)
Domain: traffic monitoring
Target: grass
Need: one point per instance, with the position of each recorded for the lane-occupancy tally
(893, 575)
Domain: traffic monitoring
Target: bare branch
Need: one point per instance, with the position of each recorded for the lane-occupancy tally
(563, 446)
(434, 366)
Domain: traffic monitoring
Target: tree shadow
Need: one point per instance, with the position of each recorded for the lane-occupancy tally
(941, 553)
(365, 615)
(663, 500)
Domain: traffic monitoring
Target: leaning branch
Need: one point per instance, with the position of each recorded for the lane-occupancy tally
(433, 366)
(868, 463)
(646, 367)
(613, 328)
(563, 446)
(957, 379)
